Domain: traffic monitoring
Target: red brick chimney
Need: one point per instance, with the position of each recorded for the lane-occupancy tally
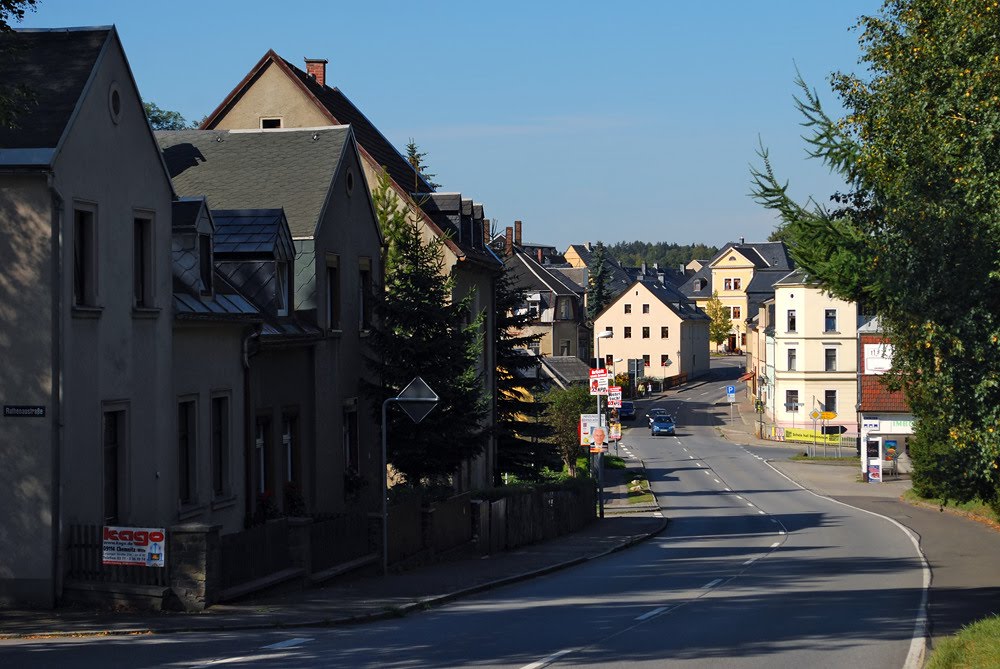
(509, 242)
(486, 234)
(316, 68)
(517, 232)
(541, 257)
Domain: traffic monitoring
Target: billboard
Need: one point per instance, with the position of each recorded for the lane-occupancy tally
(136, 546)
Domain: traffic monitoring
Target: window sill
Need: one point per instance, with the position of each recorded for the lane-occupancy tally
(150, 313)
(334, 333)
(223, 502)
(85, 311)
(831, 332)
(189, 511)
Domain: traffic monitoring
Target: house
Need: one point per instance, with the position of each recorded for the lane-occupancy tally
(743, 275)
(86, 436)
(311, 420)
(886, 418)
(815, 359)
(655, 323)
(277, 95)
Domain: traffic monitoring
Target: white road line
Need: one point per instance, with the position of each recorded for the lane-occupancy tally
(685, 450)
(727, 489)
(712, 584)
(750, 561)
(717, 480)
(739, 497)
(749, 503)
(708, 473)
(287, 643)
(650, 614)
(697, 464)
(544, 662)
(775, 544)
(690, 457)
(782, 533)
(760, 512)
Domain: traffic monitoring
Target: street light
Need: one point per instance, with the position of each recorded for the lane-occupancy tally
(600, 455)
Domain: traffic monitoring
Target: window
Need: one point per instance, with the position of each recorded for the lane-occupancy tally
(664, 360)
(281, 289)
(830, 320)
(186, 446)
(792, 353)
(791, 320)
(220, 446)
(645, 361)
(84, 259)
(352, 449)
(142, 262)
(628, 308)
(564, 347)
(565, 308)
(609, 329)
(114, 450)
(728, 284)
(609, 360)
(830, 357)
(628, 332)
(736, 312)
(205, 263)
(736, 284)
(664, 332)
(290, 447)
(645, 308)
(270, 123)
(792, 401)
(364, 293)
(830, 400)
(332, 292)
(645, 332)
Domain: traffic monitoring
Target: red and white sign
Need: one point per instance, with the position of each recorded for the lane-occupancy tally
(614, 397)
(598, 382)
(137, 546)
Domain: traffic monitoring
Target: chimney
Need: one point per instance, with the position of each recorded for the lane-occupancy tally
(486, 234)
(316, 68)
(508, 248)
(743, 240)
(541, 257)
(517, 232)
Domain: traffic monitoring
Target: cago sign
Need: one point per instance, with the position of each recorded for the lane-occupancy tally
(138, 546)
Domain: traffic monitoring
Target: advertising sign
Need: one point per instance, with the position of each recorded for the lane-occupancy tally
(878, 358)
(616, 432)
(874, 471)
(593, 432)
(136, 546)
(598, 382)
(814, 436)
(614, 397)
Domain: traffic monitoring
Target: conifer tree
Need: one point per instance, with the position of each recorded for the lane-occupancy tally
(415, 157)
(598, 295)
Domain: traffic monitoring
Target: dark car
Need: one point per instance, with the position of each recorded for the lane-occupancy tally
(661, 424)
(654, 412)
(627, 411)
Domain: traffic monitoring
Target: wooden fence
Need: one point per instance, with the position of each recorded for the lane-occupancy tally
(338, 540)
(254, 553)
(85, 551)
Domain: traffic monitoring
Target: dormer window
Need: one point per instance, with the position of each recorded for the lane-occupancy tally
(205, 263)
(281, 291)
(270, 124)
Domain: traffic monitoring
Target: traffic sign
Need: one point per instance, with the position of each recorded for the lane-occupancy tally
(828, 415)
(815, 415)
(417, 399)
(730, 390)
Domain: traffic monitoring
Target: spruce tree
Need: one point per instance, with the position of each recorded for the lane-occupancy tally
(597, 284)
(422, 332)
(415, 157)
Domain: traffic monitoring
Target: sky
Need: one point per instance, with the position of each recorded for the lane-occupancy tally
(587, 121)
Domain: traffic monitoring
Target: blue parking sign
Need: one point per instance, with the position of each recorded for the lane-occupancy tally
(730, 390)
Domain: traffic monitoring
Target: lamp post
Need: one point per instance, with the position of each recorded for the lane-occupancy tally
(600, 455)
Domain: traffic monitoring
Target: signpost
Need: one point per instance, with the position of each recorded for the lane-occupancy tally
(731, 396)
(417, 400)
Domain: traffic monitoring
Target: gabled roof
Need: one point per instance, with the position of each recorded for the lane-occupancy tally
(618, 278)
(669, 296)
(532, 276)
(702, 276)
(55, 66)
(256, 233)
(564, 369)
(291, 169)
(763, 255)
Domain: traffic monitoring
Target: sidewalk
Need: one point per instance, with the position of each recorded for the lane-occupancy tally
(362, 598)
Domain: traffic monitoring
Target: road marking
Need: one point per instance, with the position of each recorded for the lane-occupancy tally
(717, 480)
(650, 614)
(739, 497)
(775, 544)
(287, 643)
(690, 457)
(712, 584)
(548, 660)
(774, 521)
(750, 561)
(708, 473)
(760, 512)
(727, 489)
(685, 450)
(749, 503)
(697, 464)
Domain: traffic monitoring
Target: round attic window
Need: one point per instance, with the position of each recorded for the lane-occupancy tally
(350, 182)
(115, 103)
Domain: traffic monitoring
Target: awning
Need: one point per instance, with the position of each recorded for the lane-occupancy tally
(747, 376)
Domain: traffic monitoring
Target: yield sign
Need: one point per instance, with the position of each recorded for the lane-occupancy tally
(417, 399)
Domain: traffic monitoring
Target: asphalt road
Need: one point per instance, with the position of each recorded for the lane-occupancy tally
(753, 571)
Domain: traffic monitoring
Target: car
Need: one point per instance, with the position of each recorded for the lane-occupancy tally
(661, 424)
(654, 412)
(627, 411)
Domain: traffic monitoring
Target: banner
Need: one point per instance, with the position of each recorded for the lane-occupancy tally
(592, 431)
(598, 382)
(136, 546)
(614, 397)
(809, 436)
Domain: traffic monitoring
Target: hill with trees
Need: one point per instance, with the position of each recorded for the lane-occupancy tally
(633, 254)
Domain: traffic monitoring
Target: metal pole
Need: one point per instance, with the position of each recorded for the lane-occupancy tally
(599, 459)
(385, 488)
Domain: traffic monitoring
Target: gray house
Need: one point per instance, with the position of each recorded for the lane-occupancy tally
(310, 416)
(85, 297)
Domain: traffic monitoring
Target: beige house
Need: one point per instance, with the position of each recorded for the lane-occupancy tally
(656, 324)
(815, 357)
(85, 294)
(277, 95)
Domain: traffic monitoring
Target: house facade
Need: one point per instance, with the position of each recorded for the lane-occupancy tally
(656, 324)
(85, 235)
(886, 418)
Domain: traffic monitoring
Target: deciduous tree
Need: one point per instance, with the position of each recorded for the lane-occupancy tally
(563, 409)
(721, 323)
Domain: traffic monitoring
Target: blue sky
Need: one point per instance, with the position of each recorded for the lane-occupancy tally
(588, 121)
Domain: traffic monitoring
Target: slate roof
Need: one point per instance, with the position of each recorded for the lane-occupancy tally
(225, 304)
(618, 278)
(259, 233)
(667, 295)
(55, 65)
(290, 169)
(532, 276)
(186, 213)
(575, 276)
(688, 288)
(565, 369)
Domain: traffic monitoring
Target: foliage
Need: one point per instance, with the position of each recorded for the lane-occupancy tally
(162, 119)
(422, 332)
(663, 254)
(915, 238)
(562, 413)
(721, 324)
(415, 157)
(522, 447)
(19, 99)
(598, 294)
(975, 645)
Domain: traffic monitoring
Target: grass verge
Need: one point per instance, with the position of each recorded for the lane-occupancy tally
(976, 509)
(976, 645)
(638, 489)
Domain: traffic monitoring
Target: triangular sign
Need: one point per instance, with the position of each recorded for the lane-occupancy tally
(417, 399)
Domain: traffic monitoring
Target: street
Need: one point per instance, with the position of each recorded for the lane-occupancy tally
(752, 571)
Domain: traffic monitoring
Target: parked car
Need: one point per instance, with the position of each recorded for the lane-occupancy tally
(627, 411)
(654, 412)
(661, 424)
